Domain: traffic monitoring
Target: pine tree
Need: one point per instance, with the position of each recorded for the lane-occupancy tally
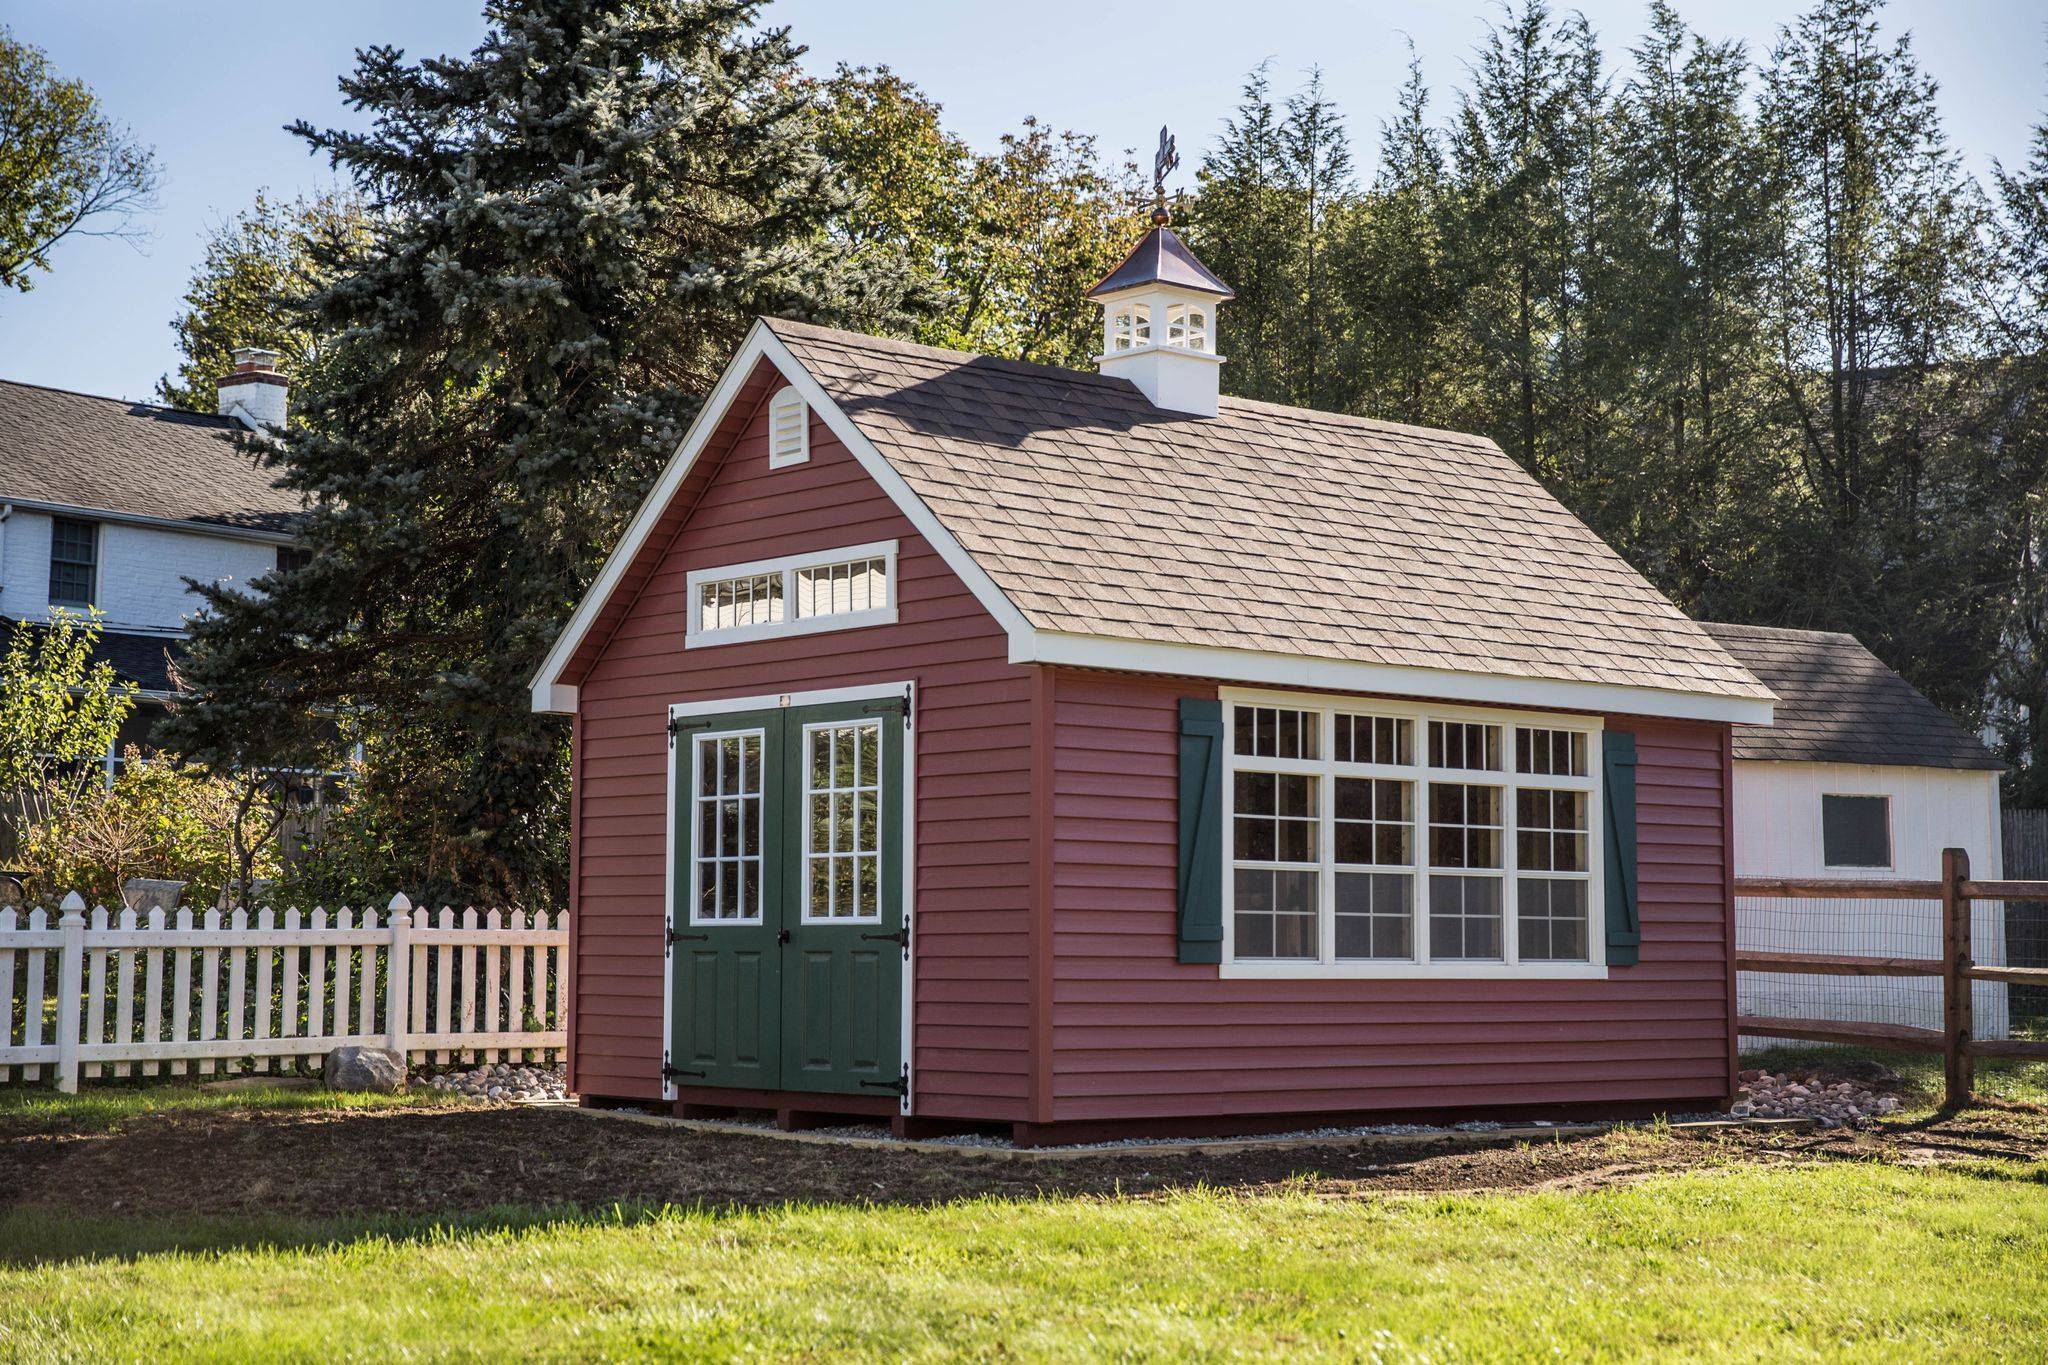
(1245, 225)
(1315, 163)
(576, 223)
(1395, 274)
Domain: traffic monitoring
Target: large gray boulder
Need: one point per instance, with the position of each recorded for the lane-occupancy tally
(364, 1068)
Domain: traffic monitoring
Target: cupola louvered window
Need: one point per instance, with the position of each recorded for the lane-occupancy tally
(789, 430)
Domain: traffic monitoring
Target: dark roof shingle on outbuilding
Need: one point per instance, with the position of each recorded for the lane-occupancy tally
(1838, 703)
(107, 454)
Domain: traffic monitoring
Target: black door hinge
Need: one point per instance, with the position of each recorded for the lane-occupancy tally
(679, 724)
(893, 706)
(901, 1085)
(671, 1073)
(901, 938)
(675, 936)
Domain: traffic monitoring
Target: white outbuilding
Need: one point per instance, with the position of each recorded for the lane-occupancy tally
(1859, 776)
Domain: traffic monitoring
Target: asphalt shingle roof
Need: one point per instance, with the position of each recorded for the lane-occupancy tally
(111, 455)
(1263, 528)
(1838, 703)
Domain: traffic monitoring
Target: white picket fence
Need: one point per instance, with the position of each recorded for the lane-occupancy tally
(246, 990)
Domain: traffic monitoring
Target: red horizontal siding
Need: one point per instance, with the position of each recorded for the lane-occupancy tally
(1137, 1035)
(972, 748)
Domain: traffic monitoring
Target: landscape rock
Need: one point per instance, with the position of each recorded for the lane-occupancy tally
(514, 1082)
(354, 1067)
(1830, 1102)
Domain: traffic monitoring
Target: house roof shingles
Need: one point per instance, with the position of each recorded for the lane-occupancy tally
(1264, 528)
(1838, 703)
(107, 454)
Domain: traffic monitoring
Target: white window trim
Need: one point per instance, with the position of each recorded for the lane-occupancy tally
(881, 799)
(1421, 775)
(1891, 844)
(695, 637)
(692, 796)
(784, 397)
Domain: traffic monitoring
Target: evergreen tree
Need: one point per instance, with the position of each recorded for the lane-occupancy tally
(1245, 224)
(1395, 274)
(1315, 165)
(1508, 135)
(574, 226)
(1876, 272)
(1694, 497)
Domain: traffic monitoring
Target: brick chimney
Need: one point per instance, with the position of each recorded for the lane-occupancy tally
(254, 392)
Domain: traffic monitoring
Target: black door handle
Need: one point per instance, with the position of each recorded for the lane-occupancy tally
(782, 936)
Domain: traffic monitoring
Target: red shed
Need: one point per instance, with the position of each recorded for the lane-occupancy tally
(968, 741)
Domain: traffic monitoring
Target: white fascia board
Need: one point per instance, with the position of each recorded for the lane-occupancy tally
(1343, 675)
(217, 530)
(549, 696)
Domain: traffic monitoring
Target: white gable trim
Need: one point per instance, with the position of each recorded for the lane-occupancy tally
(760, 344)
(1031, 646)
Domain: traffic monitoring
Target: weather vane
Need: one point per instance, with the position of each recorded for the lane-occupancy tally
(1164, 161)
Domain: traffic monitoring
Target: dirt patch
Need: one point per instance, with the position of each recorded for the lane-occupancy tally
(448, 1161)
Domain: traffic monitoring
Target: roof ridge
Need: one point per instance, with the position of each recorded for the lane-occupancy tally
(125, 402)
(1067, 374)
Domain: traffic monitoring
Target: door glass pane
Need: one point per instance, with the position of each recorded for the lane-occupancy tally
(727, 861)
(842, 849)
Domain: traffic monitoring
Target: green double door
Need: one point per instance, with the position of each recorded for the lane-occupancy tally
(787, 935)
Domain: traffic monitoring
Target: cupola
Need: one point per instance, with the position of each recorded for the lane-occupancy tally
(1159, 314)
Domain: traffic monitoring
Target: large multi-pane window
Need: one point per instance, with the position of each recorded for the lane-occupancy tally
(1365, 838)
(832, 590)
(843, 821)
(74, 561)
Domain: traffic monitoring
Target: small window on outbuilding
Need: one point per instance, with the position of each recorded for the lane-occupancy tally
(292, 558)
(1856, 831)
(789, 430)
(74, 561)
(1130, 326)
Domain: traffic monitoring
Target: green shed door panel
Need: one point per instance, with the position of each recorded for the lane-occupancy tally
(842, 776)
(1624, 922)
(726, 982)
(788, 931)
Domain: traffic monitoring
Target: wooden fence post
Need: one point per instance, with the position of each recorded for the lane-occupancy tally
(1958, 1023)
(70, 990)
(397, 976)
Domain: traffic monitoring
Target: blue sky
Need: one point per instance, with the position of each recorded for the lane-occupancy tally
(211, 86)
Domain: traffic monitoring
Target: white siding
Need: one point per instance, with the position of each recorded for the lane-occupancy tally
(142, 570)
(1778, 834)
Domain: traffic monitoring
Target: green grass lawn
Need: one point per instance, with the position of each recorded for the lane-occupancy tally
(1747, 1262)
(96, 1109)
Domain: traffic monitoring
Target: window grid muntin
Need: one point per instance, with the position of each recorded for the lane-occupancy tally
(842, 588)
(1419, 771)
(839, 589)
(726, 809)
(74, 561)
(843, 857)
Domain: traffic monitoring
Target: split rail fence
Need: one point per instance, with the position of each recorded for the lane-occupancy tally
(1956, 892)
(99, 995)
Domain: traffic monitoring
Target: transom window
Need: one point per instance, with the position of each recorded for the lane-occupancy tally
(831, 590)
(1373, 839)
(725, 869)
(843, 836)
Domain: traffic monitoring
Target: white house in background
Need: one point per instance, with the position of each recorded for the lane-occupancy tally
(110, 504)
(1859, 776)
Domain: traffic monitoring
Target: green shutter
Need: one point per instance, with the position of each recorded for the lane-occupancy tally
(1201, 830)
(1624, 926)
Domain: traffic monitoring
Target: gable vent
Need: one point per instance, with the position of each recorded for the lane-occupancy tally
(789, 430)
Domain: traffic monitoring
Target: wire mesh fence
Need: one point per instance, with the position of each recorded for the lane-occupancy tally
(2026, 922)
(1920, 970)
